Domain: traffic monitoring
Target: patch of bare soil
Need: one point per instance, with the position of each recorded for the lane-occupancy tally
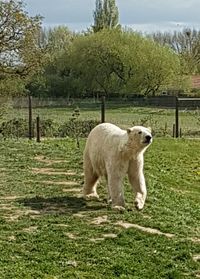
(51, 171)
(11, 238)
(196, 258)
(97, 239)
(100, 220)
(7, 206)
(80, 215)
(62, 183)
(43, 159)
(183, 192)
(144, 229)
(194, 239)
(11, 198)
(110, 235)
(71, 236)
(62, 225)
(72, 190)
(30, 229)
(15, 215)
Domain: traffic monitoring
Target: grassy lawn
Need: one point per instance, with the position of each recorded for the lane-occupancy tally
(124, 115)
(48, 231)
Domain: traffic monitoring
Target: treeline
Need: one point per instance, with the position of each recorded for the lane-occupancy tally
(105, 59)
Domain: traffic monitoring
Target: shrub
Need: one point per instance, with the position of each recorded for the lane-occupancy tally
(18, 127)
(80, 127)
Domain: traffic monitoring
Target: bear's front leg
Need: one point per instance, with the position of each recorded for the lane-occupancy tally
(137, 180)
(116, 191)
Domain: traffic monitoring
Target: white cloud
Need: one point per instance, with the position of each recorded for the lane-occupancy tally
(141, 14)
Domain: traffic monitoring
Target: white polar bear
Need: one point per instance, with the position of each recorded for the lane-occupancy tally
(112, 152)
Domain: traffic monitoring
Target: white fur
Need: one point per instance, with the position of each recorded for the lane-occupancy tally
(112, 152)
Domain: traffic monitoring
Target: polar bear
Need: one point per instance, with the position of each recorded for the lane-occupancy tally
(112, 152)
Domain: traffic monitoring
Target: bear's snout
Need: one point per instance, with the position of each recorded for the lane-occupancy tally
(148, 139)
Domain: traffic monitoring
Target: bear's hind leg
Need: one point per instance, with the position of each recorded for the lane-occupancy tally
(90, 181)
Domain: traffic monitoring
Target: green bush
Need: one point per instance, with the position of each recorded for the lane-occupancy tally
(74, 128)
(18, 127)
(48, 128)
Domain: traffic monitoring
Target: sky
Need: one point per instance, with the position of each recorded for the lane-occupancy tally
(141, 15)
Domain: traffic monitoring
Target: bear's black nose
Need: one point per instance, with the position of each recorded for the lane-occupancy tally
(148, 138)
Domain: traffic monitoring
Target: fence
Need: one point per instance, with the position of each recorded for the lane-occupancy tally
(54, 117)
(158, 101)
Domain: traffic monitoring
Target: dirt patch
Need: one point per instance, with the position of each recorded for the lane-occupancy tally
(31, 212)
(7, 206)
(11, 198)
(43, 159)
(62, 225)
(51, 171)
(16, 214)
(72, 263)
(30, 229)
(71, 236)
(11, 238)
(3, 169)
(183, 192)
(97, 239)
(100, 220)
(110, 235)
(64, 183)
(13, 216)
(196, 258)
(144, 229)
(80, 215)
(72, 190)
(194, 239)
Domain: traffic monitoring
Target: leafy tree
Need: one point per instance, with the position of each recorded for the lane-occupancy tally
(106, 15)
(55, 79)
(159, 69)
(113, 61)
(20, 54)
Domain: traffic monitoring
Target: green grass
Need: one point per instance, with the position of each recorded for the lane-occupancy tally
(124, 115)
(48, 230)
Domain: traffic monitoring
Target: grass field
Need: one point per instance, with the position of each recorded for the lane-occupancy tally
(125, 115)
(48, 231)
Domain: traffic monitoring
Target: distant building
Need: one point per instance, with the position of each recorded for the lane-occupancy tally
(195, 82)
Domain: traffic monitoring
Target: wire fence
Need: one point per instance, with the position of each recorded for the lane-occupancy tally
(65, 117)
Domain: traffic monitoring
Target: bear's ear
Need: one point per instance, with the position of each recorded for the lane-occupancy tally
(149, 128)
(128, 131)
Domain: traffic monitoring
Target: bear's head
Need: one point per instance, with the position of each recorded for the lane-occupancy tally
(139, 137)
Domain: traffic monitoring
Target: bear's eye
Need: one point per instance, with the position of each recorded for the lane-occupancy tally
(140, 132)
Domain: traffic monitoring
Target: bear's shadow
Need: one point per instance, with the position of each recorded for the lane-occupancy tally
(60, 205)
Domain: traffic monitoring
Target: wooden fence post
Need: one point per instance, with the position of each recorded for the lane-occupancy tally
(102, 109)
(38, 129)
(173, 130)
(177, 118)
(30, 119)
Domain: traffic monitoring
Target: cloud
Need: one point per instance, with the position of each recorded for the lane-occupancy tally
(147, 11)
(141, 14)
(62, 11)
